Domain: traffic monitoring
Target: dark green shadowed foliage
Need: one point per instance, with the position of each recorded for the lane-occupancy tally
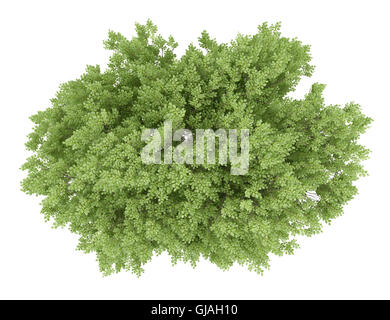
(304, 155)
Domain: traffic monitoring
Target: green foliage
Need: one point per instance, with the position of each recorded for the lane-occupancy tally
(86, 152)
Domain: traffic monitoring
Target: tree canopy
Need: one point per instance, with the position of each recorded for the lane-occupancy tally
(86, 163)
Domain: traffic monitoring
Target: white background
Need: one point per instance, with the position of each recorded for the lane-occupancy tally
(45, 43)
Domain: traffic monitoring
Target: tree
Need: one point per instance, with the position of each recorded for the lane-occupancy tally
(86, 163)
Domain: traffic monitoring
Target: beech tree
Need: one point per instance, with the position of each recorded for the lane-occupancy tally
(86, 147)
